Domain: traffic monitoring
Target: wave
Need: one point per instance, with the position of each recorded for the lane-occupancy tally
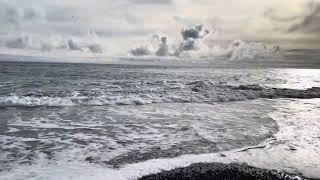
(21, 101)
(299, 114)
(193, 92)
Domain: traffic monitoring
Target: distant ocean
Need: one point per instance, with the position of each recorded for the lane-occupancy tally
(134, 117)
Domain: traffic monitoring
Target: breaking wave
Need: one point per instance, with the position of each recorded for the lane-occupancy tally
(194, 92)
(20, 101)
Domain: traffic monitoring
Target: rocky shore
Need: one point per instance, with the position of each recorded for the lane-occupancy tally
(218, 171)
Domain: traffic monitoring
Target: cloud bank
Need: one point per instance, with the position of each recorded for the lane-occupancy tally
(192, 45)
(114, 27)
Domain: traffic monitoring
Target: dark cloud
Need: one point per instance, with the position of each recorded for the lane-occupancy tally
(308, 22)
(272, 14)
(192, 38)
(9, 14)
(195, 32)
(191, 41)
(18, 43)
(140, 51)
(163, 47)
(47, 47)
(311, 21)
(74, 45)
(14, 15)
(95, 48)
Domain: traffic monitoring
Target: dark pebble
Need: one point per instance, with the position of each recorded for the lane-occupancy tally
(218, 171)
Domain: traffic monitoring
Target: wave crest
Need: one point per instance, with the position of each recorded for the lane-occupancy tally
(194, 92)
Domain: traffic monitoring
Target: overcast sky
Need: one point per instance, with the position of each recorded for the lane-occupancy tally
(119, 24)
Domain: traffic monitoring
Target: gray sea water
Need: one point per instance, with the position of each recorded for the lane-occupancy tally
(127, 119)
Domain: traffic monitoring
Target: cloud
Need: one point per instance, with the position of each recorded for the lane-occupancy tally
(96, 48)
(9, 14)
(40, 20)
(195, 32)
(191, 41)
(163, 49)
(53, 43)
(19, 43)
(153, 1)
(192, 38)
(272, 14)
(74, 45)
(309, 22)
(123, 24)
(192, 45)
(141, 51)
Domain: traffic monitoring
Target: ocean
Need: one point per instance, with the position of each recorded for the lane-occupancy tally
(132, 118)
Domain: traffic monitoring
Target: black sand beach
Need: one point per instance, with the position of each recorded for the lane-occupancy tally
(218, 171)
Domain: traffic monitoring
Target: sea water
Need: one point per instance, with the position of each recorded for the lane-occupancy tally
(132, 118)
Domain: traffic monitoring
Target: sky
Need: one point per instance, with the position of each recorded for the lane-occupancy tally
(115, 26)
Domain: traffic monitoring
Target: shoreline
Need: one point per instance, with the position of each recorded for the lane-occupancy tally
(218, 171)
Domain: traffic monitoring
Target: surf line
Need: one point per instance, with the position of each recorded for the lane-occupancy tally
(265, 144)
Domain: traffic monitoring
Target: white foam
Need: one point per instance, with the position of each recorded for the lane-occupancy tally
(11, 130)
(142, 99)
(299, 129)
(34, 101)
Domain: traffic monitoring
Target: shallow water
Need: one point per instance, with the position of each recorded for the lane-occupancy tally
(122, 121)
